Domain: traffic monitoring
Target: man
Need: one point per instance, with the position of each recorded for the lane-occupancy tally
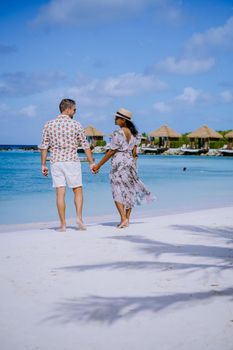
(62, 136)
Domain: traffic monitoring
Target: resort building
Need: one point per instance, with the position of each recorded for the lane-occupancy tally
(165, 135)
(93, 135)
(200, 138)
(229, 137)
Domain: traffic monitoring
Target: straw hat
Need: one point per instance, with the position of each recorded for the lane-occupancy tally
(124, 114)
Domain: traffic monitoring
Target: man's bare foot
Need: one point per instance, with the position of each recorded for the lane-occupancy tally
(62, 228)
(81, 226)
(123, 224)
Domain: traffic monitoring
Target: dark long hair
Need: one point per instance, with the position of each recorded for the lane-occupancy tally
(131, 127)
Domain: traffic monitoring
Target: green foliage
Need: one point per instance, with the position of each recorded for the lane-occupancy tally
(223, 132)
(217, 144)
(183, 140)
(100, 143)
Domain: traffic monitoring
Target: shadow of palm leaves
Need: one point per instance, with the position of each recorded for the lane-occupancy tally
(112, 309)
(140, 265)
(157, 248)
(221, 232)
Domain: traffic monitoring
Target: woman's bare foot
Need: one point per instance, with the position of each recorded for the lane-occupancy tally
(81, 226)
(123, 224)
(62, 228)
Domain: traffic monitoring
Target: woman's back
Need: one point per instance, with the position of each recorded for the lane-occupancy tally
(123, 140)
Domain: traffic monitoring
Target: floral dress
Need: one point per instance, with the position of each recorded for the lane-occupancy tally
(127, 188)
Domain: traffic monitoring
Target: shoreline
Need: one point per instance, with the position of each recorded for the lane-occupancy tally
(96, 220)
(171, 152)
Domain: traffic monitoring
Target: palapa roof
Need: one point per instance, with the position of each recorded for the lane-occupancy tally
(91, 131)
(164, 131)
(205, 132)
(229, 135)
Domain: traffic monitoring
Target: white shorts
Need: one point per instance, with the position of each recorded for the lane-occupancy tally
(66, 172)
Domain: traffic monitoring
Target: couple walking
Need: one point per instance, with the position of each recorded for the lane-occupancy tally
(62, 137)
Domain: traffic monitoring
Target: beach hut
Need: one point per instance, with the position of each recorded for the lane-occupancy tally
(227, 150)
(204, 134)
(229, 136)
(93, 135)
(165, 135)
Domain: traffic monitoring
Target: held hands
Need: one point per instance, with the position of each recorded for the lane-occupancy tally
(45, 170)
(95, 169)
(92, 166)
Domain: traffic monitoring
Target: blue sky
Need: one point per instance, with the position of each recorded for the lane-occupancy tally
(167, 61)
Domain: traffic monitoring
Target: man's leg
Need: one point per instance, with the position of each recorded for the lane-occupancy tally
(78, 202)
(61, 207)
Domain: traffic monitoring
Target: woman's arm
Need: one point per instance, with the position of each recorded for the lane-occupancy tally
(107, 156)
(134, 152)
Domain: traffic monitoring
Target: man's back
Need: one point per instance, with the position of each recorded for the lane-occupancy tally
(62, 136)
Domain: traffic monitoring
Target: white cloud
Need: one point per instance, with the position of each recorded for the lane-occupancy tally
(227, 96)
(162, 107)
(216, 37)
(132, 84)
(28, 111)
(15, 84)
(169, 12)
(102, 92)
(185, 65)
(192, 96)
(76, 12)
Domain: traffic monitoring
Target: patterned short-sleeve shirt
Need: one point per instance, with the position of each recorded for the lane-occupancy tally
(62, 136)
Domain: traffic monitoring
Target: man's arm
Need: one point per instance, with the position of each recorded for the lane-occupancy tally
(85, 145)
(89, 157)
(43, 147)
(44, 168)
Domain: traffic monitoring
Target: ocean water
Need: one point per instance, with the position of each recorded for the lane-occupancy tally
(26, 196)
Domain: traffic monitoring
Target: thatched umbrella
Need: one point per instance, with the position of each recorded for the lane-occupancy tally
(165, 135)
(229, 136)
(91, 131)
(204, 134)
(93, 134)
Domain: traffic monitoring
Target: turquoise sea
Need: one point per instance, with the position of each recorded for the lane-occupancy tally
(26, 196)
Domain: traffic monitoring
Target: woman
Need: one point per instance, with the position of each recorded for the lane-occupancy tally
(127, 189)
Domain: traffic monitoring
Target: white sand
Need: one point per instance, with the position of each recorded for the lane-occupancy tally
(163, 283)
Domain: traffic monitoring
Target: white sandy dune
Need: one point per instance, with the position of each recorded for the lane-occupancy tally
(164, 283)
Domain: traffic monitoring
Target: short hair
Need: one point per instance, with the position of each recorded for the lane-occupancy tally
(66, 103)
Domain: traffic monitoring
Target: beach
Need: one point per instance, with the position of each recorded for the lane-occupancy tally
(163, 283)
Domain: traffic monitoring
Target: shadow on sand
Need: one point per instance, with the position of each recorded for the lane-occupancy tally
(117, 223)
(220, 232)
(109, 310)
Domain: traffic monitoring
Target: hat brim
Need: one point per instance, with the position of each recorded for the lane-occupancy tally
(122, 116)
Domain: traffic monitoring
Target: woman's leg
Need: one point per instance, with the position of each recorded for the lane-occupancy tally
(121, 210)
(128, 213)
